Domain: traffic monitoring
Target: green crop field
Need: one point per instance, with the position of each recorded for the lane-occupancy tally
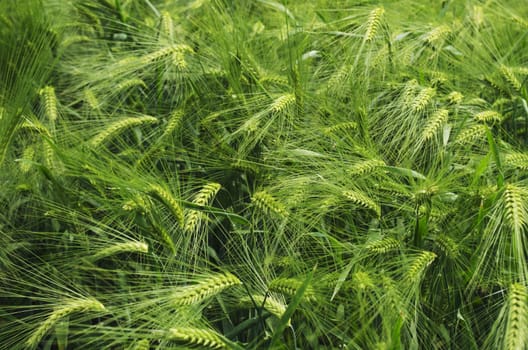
(263, 174)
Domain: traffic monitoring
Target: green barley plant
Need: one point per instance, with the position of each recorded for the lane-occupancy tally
(263, 174)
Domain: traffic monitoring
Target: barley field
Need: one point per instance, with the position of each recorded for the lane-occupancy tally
(263, 174)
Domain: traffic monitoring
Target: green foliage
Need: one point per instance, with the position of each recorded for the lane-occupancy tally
(263, 174)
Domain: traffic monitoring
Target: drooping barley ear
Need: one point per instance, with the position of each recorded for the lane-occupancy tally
(336, 81)
(174, 123)
(472, 134)
(208, 287)
(488, 117)
(515, 211)
(165, 52)
(268, 204)
(437, 34)
(166, 27)
(423, 98)
(281, 103)
(361, 280)
(165, 197)
(130, 83)
(179, 61)
(270, 303)
(125, 247)
(142, 344)
(384, 245)
(139, 202)
(434, 124)
(517, 160)
(49, 101)
(273, 79)
(115, 128)
(289, 286)
(91, 99)
(70, 306)
(193, 217)
(74, 39)
(35, 126)
(341, 127)
(419, 265)
(516, 332)
(409, 90)
(197, 337)
(448, 246)
(27, 156)
(510, 77)
(393, 297)
(520, 70)
(365, 167)
(373, 23)
(49, 155)
(362, 200)
(455, 97)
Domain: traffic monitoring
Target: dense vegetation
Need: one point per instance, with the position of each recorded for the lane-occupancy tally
(263, 175)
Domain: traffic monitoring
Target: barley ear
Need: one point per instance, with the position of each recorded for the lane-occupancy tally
(419, 265)
(74, 305)
(289, 286)
(268, 204)
(115, 128)
(516, 328)
(197, 337)
(49, 101)
(206, 288)
(165, 197)
(383, 245)
(373, 23)
(125, 247)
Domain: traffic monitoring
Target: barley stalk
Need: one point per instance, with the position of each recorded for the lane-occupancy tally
(208, 287)
(118, 126)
